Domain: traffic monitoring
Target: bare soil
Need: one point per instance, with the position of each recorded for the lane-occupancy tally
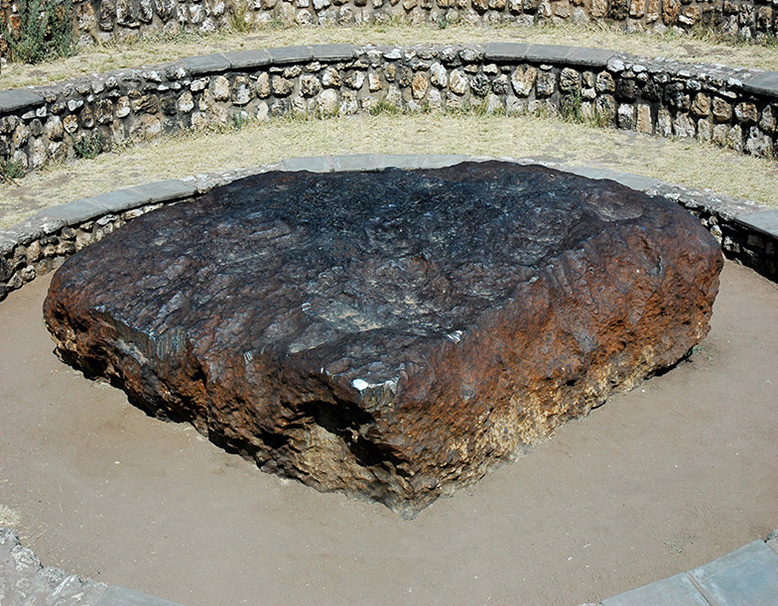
(674, 474)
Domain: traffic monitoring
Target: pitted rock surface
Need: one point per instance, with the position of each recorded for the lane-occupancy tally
(391, 334)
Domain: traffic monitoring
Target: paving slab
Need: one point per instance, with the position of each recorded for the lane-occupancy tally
(332, 52)
(74, 212)
(7, 244)
(119, 596)
(16, 99)
(772, 538)
(765, 221)
(673, 591)
(506, 51)
(314, 164)
(353, 162)
(165, 191)
(765, 83)
(590, 57)
(248, 59)
(206, 64)
(747, 576)
(592, 172)
(548, 53)
(404, 161)
(441, 160)
(122, 199)
(635, 181)
(290, 54)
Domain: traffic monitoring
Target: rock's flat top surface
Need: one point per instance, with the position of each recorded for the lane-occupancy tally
(394, 333)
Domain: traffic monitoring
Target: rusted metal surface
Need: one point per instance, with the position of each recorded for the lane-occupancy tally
(389, 334)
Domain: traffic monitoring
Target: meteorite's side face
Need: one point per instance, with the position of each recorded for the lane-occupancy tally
(391, 334)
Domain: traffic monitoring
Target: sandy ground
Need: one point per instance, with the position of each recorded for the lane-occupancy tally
(676, 473)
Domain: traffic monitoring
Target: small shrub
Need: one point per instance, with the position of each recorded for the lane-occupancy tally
(384, 108)
(87, 146)
(10, 170)
(598, 119)
(239, 119)
(45, 30)
(571, 108)
(239, 17)
(479, 108)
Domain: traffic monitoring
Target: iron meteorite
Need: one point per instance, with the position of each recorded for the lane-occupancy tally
(391, 334)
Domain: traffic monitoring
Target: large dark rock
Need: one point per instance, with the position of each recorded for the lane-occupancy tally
(389, 334)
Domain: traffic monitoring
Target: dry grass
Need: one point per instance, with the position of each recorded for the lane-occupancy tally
(684, 161)
(161, 50)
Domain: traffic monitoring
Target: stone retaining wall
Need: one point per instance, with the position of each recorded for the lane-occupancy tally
(731, 107)
(103, 19)
(747, 232)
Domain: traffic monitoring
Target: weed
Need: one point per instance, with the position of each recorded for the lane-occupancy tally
(87, 146)
(10, 170)
(239, 21)
(544, 111)
(45, 30)
(479, 108)
(674, 548)
(384, 108)
(442, 23)
(598, 119)
(239, 119)
(571, 108)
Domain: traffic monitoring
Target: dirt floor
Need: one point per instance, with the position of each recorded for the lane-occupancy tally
(672, 475)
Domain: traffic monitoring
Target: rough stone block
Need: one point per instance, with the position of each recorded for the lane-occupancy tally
(391, 334)
(24, 581)
(7, 244)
